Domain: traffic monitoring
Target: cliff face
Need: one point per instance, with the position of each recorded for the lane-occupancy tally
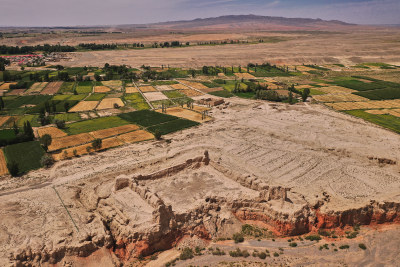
(131, 217)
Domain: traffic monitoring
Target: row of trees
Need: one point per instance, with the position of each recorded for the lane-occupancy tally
(93, 46)
(15, 50)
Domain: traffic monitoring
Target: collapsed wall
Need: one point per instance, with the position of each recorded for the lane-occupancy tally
(117, 212)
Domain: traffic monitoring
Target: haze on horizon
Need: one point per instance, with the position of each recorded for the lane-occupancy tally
(114, 12)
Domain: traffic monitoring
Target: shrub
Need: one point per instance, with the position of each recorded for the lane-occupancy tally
(13, 168)
(218, 252)
(293, 244)
(262, 255)
(344, 247)
(75, 153)
(46, 140)
(97, 143)
(239, 253)
(362, 246)
(60, 124)
(352, 235)
(313, 237)
(238, 238)
(186, 254)
(157, 134)
(276, 254)
(47, 161)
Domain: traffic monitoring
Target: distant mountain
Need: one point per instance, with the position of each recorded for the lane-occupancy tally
(250, 21)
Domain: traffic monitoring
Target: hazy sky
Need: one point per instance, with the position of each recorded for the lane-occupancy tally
(105, 12)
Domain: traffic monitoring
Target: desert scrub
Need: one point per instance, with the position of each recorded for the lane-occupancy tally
(325, 246)
(293, 244)
(238, 238)
(362, 246)
(313, 237)
(239, 253)
(344, 247)
(186, 254)
(218, 252)
(276, 254)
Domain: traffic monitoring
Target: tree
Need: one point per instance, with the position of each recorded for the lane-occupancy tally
(16, 129)
(290, 100)
(97, 143)
(60, 124)
(75, 152)
(46, 140)
(1, 102)
(47, 161)
(13, 168)
(305, 94)
(97, 77)
(157, 135)
(28, 131)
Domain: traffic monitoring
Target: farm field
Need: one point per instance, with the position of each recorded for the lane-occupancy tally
(186, 114)
(54, 132)
(147, 89)
(52, 88)
(155, 96)
(69, 141)
(27, 155)
(114, 131)
(136, 136)
(84, 106)
(84, 87)
(3, 164)
(109, 103)
(101, 89)
(136, 101)
(131, 89)
(114, 84)
(36, 88)
(94, 125)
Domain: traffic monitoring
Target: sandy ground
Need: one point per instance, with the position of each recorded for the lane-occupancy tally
(346, 48)
(306, 147)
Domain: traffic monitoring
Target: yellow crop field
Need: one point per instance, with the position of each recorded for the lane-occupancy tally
(37, 87)
(136, 136)
(101, 89)
(6, 86)
(108, 103)
(52, 131)
(335, 90)
(69, 141)
(194, 85)
(191, 92)
(147, 89)
(244, 76)
(186, 114)
(179, 86)
(114, 131)
(115, 85)
(339, 98)
(4, 119)
(3, 164)
(84, 106)
(131, 89)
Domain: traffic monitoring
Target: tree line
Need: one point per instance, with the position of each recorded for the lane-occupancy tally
(16, 50)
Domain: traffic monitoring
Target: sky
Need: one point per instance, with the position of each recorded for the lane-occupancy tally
(113, 12)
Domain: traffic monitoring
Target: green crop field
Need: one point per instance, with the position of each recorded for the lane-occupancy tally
(28, 155)
(223, 93)
(387, 121)
(94, 125)
(158, 104)
(33, 120)
(146, 118)
(60, 106)
(172, 126)
(12, 103)
(173, 94)
(95, 97)
(381, 94)
(77, 97)
(359, 85)
(7, 134)
(136, 101)
(84, 87)
(163, 82)
(67, 87)
(67, 117)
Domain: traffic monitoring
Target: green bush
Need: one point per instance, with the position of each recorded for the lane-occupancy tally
(344, 247)
(186, 254)
(238, 238)
(293, 244)
(362, 246)
(313, 237)
(276, 254)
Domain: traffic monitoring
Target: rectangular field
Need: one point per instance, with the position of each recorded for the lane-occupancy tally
(194, 85)
(67, 87)
(191, 92)
(115, 85)
(4, 119)
(52, 88)
(172, 126)
(84, 106)
(146, 118)
(16, 92)
(164, 88)
(179, 86)
(155, 96)
(28, 155)
(186, 114)
(94, 125)
(95, 97)
(244, 76)
(82, 149)
(147, 89)
(136, 136)
(69, 141)
(101, 89)
(136, 101)
(108, 103)
(3, 164)
(36, 87)
(54, 132)
(6, 86)
(131, 89)
(84, 87)
(114, 131)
